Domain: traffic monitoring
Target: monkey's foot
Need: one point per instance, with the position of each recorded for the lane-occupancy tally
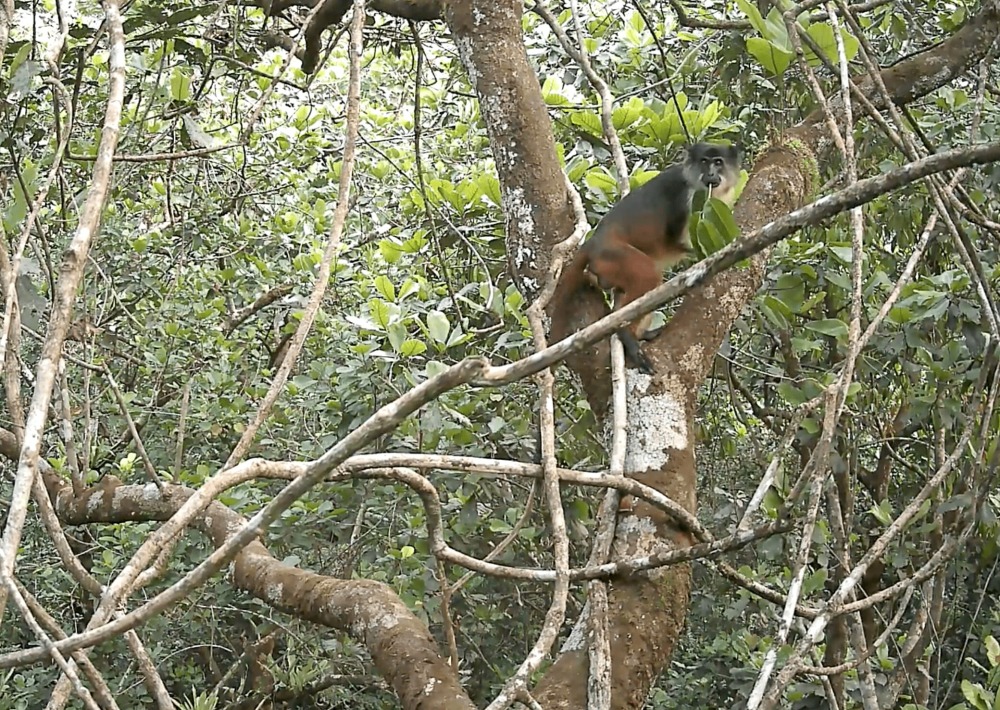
(634, 353)
(639, 359)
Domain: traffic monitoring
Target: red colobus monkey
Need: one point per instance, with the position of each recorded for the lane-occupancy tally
(643, 234)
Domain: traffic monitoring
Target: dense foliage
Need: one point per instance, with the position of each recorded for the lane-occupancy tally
(422, 279)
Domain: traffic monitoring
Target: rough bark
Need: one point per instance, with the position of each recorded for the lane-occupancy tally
(648, 612)
(490, 44)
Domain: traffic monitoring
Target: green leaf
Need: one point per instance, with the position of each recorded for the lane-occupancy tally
(828, 326)
(975, 695)
(489, 185)
(708, 238)
(552, 89)
(390, 250)
(775, 30)
(815, 581)
(406, 551)
(397, 336)
(588, 121)
(381, 313)
(412, 347)
(811, 302)
(21, 79)
(776, 311)
(822, 34)
(753, 14)
(626, 115)
(721, 216)
(882, 512)
(708, 116)
(844, 254)
(992, 651)
(772, 58)
(408, 288)
(576, 168)
(792, 394)
(791, 290)
(435, 368)
(197, 134)
(641, 177)
(414, 244)
(180, 85)
(600, 179)
(385, 287)
(438, 326)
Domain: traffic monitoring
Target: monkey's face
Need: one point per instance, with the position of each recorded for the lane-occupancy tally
(717, 168)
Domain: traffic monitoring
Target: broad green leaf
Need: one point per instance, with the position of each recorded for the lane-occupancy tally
(708, 237)
(414, 244)
(641, 177)
(775, 30)
(397, 336)
(828, 326)
(720, 214)
(822, 34)
(435, 368)
(588, 121)
(753, 14)
(791, 291)
(776, 311)
(412, 347)
(624, 116)
(992, 651)
(772, 58)
(17, 211)
(380, 311)
(489, 185)
(390, 250)
(845, 254)
(792, 394)
(815, 581)
(708, 116)
(21, 80)
(385, 287)
(198, 136)
(600, 179)
(576, 168)
(552, 92)
(882, 512)
(180, 85)
(438, 326)
(975, 695)
(408, 288)
(635, 38)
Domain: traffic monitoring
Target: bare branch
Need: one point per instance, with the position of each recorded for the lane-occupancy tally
(74, 262)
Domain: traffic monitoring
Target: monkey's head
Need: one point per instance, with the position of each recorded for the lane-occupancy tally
(715, 168)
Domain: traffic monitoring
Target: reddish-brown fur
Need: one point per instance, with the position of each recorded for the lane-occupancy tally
(642, 235)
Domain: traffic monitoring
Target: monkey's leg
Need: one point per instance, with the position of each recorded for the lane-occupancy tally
(631, 273)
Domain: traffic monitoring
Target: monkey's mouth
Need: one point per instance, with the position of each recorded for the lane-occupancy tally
(713, 183)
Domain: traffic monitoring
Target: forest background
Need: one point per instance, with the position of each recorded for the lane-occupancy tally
(281, 426)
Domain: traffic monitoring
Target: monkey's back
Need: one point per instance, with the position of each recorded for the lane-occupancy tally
(652, 218)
